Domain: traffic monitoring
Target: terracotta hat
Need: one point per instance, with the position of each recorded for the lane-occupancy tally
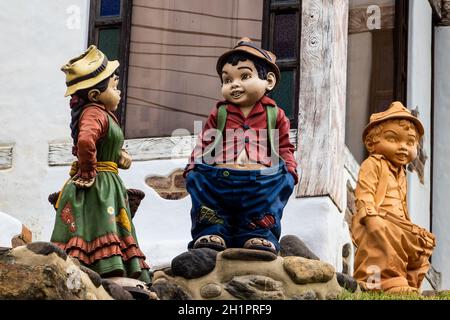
(246, 45)
(395, 111)
(87, 70)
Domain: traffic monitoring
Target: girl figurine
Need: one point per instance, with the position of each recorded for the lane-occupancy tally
(93, 218)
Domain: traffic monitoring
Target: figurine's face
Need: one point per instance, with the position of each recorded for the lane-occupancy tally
(110, 98)
(241, 84)
(397, 143)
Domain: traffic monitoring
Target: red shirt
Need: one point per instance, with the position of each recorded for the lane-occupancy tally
(246, 132)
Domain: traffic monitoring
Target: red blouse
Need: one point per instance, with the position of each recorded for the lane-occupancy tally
(93, 126)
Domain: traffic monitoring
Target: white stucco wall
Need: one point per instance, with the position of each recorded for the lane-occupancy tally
(9, 228)
(37, 37)
(441, 163)
(419, 96)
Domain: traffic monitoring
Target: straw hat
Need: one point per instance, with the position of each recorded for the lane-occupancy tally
(395, 111)
(87, 70)
(246, 45)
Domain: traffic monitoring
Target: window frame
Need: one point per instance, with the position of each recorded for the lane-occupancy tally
(400, 70)
(270, 10)
(122, 22)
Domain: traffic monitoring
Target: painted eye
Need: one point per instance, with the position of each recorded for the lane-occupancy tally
(245, 76)
(227, 81)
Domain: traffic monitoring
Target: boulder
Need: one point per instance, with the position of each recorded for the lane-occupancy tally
(248, 275)
(43, 271)
(293, 246)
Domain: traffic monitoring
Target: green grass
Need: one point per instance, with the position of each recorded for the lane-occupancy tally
(383, 296)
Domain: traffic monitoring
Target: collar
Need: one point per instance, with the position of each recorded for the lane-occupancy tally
(101, 106)
(391, 167)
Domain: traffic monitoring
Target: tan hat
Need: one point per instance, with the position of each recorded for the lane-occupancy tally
(87, 70)
(395, 111)
(246, 45)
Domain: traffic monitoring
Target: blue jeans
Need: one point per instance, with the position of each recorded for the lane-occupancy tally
(238, 204)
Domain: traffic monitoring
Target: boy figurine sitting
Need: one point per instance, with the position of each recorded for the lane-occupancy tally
(392, 251)
(239, 185)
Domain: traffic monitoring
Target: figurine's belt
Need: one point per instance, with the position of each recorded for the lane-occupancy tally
(105, 166)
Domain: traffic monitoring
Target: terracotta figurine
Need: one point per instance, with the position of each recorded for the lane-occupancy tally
(240, 180)
(392, 253)
(93, 220)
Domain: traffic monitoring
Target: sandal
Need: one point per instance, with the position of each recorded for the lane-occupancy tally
(260, 244)
(210, 241)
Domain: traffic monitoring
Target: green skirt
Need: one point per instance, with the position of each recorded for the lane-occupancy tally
(94, 225)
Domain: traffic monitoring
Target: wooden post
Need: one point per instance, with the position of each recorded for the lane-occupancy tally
(445, 13)
(323, 81)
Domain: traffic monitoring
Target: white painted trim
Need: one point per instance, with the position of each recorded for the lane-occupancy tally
(60, 154)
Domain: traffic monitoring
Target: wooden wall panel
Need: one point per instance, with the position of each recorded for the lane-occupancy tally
(173, 53)
(445, 13)
(323, 64)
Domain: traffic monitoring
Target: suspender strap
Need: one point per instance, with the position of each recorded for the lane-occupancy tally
(271, 115)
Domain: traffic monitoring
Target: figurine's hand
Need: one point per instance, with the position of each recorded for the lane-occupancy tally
(124, 160)
(82, 183)
(374, 224)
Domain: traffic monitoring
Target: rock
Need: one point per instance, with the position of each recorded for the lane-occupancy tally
(304, 271)
(293, 246)
(345, 268)
(94, 276)
(137, 288)
(251, 279)
(308, 295)
(255, 287)
(46, 248)
(211, 290)
(169, 291)
(248, 255)
(38, 275)
(346, 250)
(116, 291)
(347, 282)
(194, 263)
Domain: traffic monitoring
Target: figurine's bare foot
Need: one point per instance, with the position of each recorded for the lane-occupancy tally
(124, 160)
(402, 290)
(82, 183)
(260, 244)
(210, 241)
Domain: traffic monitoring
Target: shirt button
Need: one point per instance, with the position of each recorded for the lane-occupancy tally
(246, 127)
(226, 174)
(247, 139)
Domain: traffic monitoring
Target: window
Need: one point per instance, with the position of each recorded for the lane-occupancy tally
(173, 52)
(109, 31)
(377, 63)
(168, 52)
(281, 35)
